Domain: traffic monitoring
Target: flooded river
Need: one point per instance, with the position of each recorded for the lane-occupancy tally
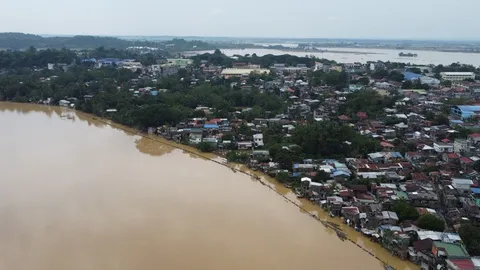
(362, 55)
(79, 194)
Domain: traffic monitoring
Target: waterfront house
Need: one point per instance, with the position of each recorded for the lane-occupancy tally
(423, 253)
(212, 141)
(387, 217)
(195, 138)
(261, 154)
(350, 213)
(245, 145)
(451, 251)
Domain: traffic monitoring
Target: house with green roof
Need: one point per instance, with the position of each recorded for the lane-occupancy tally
(449, 250)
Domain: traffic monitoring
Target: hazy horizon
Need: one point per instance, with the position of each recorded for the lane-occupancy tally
(285, 38)
(281, 19)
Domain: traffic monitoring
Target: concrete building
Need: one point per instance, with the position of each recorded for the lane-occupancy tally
(457, 76)
(243, 71)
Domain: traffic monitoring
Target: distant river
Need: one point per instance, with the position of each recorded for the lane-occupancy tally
(79, 194)
(350, 55)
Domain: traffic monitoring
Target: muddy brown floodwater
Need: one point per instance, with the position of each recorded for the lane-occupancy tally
(78, 194)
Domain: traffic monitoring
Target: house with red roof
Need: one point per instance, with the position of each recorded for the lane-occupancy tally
(450, 157)
(362, 115)
(461, 264)
(466, 163)
(419, 177)
(344, 118)
(474, 138)
(387, 146)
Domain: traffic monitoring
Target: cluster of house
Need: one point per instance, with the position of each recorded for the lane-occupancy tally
(367, 207)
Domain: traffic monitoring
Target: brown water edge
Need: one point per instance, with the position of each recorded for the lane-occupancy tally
(147, 144)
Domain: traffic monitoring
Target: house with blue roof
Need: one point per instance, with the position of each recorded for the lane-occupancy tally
(89, 60)
(410, 76)
(465, 111)
(210, 126)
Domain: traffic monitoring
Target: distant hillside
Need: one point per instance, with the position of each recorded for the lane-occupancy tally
(17, 41)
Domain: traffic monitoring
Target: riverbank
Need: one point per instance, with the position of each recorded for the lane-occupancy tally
(334, 225)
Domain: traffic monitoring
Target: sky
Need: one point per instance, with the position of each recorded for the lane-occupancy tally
(369, 19)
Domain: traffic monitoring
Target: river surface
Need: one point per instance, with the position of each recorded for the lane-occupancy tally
(80, 194)
(350, 55)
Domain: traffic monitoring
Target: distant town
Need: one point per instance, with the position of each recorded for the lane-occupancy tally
(391, 148)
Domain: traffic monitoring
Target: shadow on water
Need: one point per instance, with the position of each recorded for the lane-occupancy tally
(153, 148)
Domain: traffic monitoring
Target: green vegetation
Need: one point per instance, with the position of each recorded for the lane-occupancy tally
(235, 156)
(330, 139)
(333, 78)
(470, 234)
(266, 61)
(404, 210)
(386, 74)
(369, 102)
(19, 41)
(205, 147)
(33, 58)
(431, 222)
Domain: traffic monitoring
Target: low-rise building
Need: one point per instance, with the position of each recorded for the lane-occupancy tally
(457, 76)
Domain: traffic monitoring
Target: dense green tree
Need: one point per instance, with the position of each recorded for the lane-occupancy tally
(446, 83)
(431, 222)
(404, 210)
(441, 119)
(321, 177)
(366, 101)
(329, 139)
(364, 81)
(396, 76)
(282, 177)
(380, 73)
(415, 70)
(205, 147)
(470, 234)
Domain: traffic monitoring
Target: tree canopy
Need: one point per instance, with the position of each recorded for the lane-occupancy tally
(330, 139)
(404, 210)
(431, 222)
(470, 234)
(368, 101)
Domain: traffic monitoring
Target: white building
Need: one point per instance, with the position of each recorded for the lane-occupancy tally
(462, 185)
(457, 76)
(64, 103)
(318, 66)
(258, 140)
(243, 71)
(443, 147)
